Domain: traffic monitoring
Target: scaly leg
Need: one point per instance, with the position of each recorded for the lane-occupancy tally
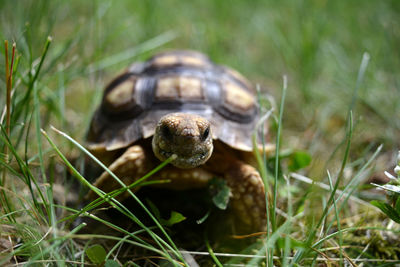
(247, 191)
(130, 166)
(248, 196)
(134, 164)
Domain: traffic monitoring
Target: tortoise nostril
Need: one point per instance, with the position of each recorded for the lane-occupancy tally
(205, 134)
(166, 132)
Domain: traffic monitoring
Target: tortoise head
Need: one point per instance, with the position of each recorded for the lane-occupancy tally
(188, 136)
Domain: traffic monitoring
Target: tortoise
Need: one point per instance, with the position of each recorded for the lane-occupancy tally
(180, 104)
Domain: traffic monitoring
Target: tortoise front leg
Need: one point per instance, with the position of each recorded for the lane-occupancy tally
(133, 164)
(248, 195)
(247, 191)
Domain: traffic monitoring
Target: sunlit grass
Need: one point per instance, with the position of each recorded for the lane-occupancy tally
(341, 112)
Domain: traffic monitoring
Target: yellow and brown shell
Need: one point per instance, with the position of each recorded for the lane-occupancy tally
(175, 81)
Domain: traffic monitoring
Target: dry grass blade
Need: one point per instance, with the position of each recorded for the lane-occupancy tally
(9, 74)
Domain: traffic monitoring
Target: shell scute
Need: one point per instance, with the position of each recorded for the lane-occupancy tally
(120, 97)
(183, 58)
(237, 99)
(179, 87)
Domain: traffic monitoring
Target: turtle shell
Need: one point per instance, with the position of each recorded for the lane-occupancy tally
(175, 81)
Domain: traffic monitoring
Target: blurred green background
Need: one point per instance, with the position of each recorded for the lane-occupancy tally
(318, 44)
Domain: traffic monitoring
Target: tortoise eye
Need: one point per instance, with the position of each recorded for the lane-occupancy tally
(205, 134)
(166, 132)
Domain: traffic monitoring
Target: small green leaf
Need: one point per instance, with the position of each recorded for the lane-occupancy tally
(388, 210)
(221, 198)
(111, 263)
(96, 253)
(299, 160)
(175, 218)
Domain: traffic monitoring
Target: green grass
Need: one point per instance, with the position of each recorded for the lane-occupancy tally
(342, 106)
